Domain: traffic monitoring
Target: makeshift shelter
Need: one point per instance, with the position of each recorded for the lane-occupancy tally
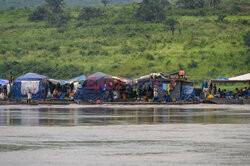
(99, 86)
(70, 81)
(170, 83)
(245, 78)
(66, 87)
(30, 82)
(3, 82)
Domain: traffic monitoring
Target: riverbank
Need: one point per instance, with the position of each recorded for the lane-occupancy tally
(140, 103)
(189, 106)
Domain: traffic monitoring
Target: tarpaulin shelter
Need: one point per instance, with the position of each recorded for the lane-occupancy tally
(188, 93)
(3, 82)
(30, 82)
(77, 79)
(70, 81)
(98, 86)
(245, 78)
(164, 82)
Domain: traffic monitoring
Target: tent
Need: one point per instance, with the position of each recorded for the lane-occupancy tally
(245, 78)
(30, 82)
(3, 82)
(163, 82)
(97, 86)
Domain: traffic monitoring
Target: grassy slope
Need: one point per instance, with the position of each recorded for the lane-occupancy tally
(121, 45)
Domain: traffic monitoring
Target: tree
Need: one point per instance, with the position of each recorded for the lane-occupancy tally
(89, 12)
(214, 3)
(152, 10)
(38, 14)
(191, 4)
(105, 2)
(170, 24)
(55, 5)
(51, 12)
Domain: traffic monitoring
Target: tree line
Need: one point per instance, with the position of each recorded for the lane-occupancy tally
(148, 10)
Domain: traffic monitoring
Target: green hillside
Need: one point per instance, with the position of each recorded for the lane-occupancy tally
(7, 4)
(121, 44)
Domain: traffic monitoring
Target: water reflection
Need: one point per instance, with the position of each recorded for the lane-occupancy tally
(109, 116)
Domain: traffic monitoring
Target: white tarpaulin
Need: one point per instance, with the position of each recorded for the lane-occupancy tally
(245, 77)
(29, 86)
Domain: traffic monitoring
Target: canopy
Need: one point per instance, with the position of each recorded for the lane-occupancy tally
(99, 75)
(61, 82)
(78, 79)
(242, 78)
(70, 81)
(30, 77)
(2, 81)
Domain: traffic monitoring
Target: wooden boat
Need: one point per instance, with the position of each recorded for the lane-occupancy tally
(227, 101)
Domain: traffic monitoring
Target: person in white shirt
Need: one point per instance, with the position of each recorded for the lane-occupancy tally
(29, 97)
(2, 96)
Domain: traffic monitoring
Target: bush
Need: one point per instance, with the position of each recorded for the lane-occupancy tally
(90, 12)
(236, 9)
(149, 57)
(125, 49)
(57, 19)
(193, 64)
(190, 4)
(243, 22)
(221, 18)
(54, 48)
(38, 14)
(246, 39)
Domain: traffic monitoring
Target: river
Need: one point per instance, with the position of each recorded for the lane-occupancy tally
(125, 135)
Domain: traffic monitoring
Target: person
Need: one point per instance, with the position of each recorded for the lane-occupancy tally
(238, 93)
(55, 93)
(214, 89)
(223, 93)
(29, 97)
(219, 91)
(2, 95)
(155, 94)
(245, 92)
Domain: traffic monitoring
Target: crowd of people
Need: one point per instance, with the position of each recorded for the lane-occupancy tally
(238, 93)
(6, 89)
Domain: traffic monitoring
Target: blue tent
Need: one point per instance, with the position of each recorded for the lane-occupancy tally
(93, 89)
(3, 82)
(39, 86)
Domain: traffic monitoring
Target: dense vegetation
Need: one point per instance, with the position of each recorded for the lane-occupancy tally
(208, 41)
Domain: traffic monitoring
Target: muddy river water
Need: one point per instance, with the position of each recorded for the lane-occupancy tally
(125, 135)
